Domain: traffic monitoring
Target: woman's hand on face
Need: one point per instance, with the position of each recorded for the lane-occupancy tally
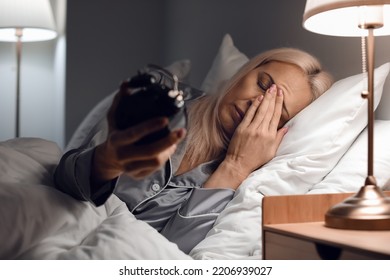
(257, 137)
(120, 155)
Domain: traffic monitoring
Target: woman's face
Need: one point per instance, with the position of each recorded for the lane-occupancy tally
(287, 77)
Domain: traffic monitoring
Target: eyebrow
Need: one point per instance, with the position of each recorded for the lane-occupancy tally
(273, 82)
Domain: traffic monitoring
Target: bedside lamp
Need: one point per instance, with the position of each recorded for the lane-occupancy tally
(369, 209)
(25, 21)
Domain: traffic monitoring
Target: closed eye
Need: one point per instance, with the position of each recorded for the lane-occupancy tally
(264, 81)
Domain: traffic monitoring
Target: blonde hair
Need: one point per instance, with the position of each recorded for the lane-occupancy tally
(205, 138)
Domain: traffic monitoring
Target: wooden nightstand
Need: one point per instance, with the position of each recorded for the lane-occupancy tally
(293, 228)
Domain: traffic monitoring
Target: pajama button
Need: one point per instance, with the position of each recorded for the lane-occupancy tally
(156, 187)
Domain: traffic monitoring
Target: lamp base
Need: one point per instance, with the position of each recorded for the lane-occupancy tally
(369, 209)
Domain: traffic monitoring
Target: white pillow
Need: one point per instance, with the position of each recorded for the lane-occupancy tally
(350, 173)
(317, 138)
(226, 63)
(180, 68)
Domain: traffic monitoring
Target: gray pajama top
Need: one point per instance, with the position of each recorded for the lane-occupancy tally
(177, 206)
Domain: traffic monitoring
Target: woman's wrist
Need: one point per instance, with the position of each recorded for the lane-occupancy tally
(227, 175)
(101, 171)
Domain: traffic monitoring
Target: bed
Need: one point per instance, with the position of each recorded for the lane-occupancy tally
(39, 222)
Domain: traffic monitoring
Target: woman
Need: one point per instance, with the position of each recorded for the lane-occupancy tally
(179, 187)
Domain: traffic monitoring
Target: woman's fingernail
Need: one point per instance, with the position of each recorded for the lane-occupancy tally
(280, 92)
(261, 97)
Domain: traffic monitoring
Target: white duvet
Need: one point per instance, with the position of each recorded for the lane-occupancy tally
(39, 222)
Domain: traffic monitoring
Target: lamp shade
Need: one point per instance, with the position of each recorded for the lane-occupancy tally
(343, 17)
(35, 17)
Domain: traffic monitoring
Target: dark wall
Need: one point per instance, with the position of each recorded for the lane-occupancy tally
(106, 42)
(109, 40)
